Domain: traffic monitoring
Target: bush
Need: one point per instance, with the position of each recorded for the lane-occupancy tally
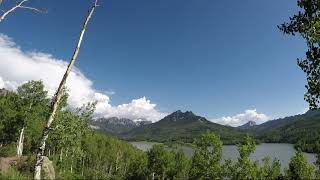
(13, 174)
(8, 150)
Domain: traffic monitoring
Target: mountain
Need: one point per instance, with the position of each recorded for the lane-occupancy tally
(248, 125)
(116, 125)
(181, 127)
(302, 130)
(273, 125)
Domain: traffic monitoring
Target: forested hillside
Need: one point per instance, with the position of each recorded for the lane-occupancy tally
(301, 130)
(182, 127)
(75, 149)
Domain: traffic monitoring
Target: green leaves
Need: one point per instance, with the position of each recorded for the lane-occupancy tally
(165, 164)
(307, 24)
(206, 158)
(299, 167)
(244, 168)
(247, 147)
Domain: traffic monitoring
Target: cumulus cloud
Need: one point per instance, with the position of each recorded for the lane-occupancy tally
(242, 118)
(18, 67)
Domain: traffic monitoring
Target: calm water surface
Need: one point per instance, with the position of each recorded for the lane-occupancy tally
(283, 152)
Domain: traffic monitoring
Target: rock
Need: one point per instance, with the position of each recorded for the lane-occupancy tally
(3, 92)
(47, 168)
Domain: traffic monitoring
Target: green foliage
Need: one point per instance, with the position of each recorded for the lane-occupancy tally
(206, 157)
(10, 118)
(33, 93)
(8, 150)
(13, 174)
(270, 171)
(25, 109)
(165, 164)
(159, 161)
(246, 148)
(299, 167)
(181, 167)
(244, 168)
(307, 24)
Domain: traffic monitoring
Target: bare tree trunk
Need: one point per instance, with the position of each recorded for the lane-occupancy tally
(18, 5)
(20, 143)
(117, 159)
(82, 168)
(61, 154)
(110, 170)
(57, 97)
(153, 176)
(71, 167)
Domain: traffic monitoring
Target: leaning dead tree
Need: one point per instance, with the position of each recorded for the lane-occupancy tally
(57, 97)
(19, 5)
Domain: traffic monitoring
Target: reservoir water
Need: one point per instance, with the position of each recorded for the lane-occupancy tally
(282, 152)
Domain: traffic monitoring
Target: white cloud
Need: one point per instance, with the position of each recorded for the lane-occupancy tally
(17, 67)
(305, 110)
(242, 118)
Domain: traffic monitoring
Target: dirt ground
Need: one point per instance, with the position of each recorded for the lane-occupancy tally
(7, 162)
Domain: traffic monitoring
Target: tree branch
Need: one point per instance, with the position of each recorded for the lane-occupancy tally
(33, 9)
(19, 5)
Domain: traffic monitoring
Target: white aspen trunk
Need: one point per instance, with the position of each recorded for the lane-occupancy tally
(110, 170)
(117, 162)
(21, 139)
(71, 166)
(20, 143)
(60, 158)
(56, 99)
(61, 154)
(82, 169)
(71, 169)
(153, 176)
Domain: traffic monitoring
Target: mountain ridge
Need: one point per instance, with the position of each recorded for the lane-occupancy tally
(115, 125)
(181, 127)
(248, 125)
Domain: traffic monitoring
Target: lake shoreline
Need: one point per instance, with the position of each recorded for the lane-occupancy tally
(281, 151)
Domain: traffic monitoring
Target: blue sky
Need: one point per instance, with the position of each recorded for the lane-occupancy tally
(216, 58)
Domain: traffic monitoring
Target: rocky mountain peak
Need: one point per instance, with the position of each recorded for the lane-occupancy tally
(248, 125)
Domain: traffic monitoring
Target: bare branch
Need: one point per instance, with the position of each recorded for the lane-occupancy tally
(19, 5)
(34, 9)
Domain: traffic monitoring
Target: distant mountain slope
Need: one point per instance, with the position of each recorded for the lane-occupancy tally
(116, 125)
(248, 125)
(181, 127)
(272, 125)
(301, 130)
